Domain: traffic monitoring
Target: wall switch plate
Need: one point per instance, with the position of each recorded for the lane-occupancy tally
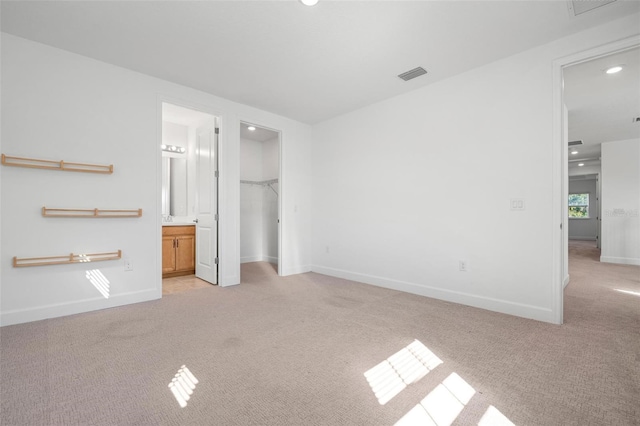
(517, 204)
(128, 266)
(464, 266)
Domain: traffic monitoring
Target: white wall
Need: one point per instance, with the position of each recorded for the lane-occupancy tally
(59, 105)
(579, 228)
(259, 204)
(251, 217)
(406, 188)
(621, 202)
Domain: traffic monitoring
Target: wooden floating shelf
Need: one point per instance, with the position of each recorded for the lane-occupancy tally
(68, 259)
(55, 165)
(92, 213)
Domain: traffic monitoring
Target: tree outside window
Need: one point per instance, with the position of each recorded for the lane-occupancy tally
(579, 206)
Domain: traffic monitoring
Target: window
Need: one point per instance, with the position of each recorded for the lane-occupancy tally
(579, 206)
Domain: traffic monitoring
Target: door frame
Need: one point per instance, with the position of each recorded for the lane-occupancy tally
(560, 167)
(221, 118)
(242, 121)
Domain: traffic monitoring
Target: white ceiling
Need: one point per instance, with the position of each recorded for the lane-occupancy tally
(306, 63)
(602, 106)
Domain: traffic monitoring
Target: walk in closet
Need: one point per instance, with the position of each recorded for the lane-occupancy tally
(259, 194)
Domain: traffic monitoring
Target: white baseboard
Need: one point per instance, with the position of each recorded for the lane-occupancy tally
(491, 304)
(259, 258)
(20, 316)
(620, 260)
(300, 269)
(582, 238)
(566, 281)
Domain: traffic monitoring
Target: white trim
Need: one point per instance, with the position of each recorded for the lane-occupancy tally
(566, 281)
(19, 316)
(488, 303)
(620, 260)
(560, 166)
(300, 269)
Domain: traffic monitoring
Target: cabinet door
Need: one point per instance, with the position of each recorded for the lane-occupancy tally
(185, 253)
(168, 254)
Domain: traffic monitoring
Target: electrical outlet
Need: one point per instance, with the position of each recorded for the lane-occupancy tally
(464, 266)
(327, 249)
(128, 266)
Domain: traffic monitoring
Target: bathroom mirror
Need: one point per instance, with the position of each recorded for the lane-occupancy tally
(174, 186)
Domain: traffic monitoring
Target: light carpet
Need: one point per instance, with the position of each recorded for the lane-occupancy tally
(295, 350)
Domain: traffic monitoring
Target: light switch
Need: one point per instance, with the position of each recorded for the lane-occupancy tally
(517, 204)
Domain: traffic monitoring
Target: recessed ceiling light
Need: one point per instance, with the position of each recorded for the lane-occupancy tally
(574, 152)
(309, 2)
(251, 128)
(580, 164)
(614, 70)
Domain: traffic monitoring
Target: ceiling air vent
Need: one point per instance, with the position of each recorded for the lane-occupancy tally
(575, 143)
(416, 72)
(578, 7)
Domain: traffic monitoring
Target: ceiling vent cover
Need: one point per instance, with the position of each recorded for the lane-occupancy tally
(574, 143)
(578, 7)
(416, 72)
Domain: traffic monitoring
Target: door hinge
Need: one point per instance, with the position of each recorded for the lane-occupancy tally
(217, 217)
(217, 260)
(217, 130)
(217, 174)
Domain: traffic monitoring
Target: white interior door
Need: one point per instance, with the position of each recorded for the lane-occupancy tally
(207, 204)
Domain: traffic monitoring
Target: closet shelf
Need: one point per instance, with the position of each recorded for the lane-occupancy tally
(262, 183)
(55, 165)
(259, 182)
(67, 259)
(92, 213)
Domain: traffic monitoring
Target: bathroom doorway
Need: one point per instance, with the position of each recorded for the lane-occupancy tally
(260, 243)
(189, 148)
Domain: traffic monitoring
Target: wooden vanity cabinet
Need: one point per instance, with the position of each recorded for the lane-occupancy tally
(178, 250)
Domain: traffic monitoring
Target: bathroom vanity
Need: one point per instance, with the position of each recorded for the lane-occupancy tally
(178, 250)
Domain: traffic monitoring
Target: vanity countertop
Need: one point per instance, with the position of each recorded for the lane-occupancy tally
(178, 224)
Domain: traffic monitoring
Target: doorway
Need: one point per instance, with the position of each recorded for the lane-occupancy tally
(260, 243)
(189, 194)
(588, 109)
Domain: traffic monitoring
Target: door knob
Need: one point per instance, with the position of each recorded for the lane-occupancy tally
(195, 221)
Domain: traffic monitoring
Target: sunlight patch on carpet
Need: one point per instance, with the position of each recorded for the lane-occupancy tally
(493, 417)
(183, 385)
(442, 405)
(401, 369)
(634, 293)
